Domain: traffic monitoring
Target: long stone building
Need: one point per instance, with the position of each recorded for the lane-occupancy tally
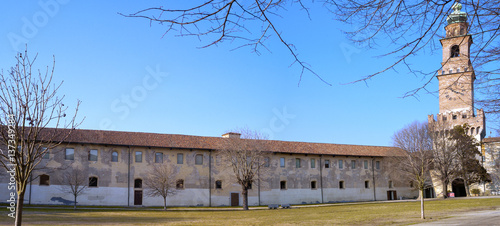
(116, 164)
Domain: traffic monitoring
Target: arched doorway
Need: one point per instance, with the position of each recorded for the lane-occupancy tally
(458, 187)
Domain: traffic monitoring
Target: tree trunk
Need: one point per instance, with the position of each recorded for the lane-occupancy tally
(19, 208)
(244, 193)
(165, 203)
(467, 191)
(74, 207)
(445, 189)
(422, 216)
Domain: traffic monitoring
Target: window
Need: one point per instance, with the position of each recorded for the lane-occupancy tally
(138, 156)
(93, 155)
(390, 184)
(159, 157)
(179, 184)
(46, 155)
(455, 51)
(137, 183)
(180, 158)
(411, 184)
(70, 154)
(282, 162)
(282, 185)
(353, 164)
(114, 156)
(454, 117)
(297, 163)
(198, 159)
(341, 164)
(313, 163)
(92, 181)
(250, 185)
(341, 184)
(377, 164)
(218, 184)
(365, 164)
(44, 180)
(464, 116)
(327, 163)
(266, 162)
(367, 184)
(313, 184)
(444, 118)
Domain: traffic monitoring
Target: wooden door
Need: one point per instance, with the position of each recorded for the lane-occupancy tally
(391, 195)
(235, 199)
(137, 197)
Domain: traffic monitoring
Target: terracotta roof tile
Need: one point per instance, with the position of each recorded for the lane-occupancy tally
(199, 142)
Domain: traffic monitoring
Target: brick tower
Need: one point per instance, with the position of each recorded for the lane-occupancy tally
(456, 79)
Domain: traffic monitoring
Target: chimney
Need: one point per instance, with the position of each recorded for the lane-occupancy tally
(232, 135)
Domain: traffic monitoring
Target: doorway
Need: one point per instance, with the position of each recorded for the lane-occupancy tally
(137, 197)
(458, 187)
(235, 199)
(392, 195)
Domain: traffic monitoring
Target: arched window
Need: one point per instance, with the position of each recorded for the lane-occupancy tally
(472, 131)
(455, 51)
(477, 130)
(114, 156)
(137, 183)
(44, 180)
(179, 184)
(92, 181)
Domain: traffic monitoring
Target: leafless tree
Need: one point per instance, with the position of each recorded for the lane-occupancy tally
(29, 105)
(444, 165)
(466, 149)
(415, 160)
(244, 151)
(161, 182)
(411, 28)
(76, 181)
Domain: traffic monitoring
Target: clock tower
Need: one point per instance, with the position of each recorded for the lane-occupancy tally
(456, 79)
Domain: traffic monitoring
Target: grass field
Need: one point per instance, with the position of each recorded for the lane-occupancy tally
(399, 213)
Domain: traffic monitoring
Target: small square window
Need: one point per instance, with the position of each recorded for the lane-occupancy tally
(377, 164)
(46, 155)
(180, 158)
(341, 164)
(365, 164)
(341, 184)
(179, 184)
(313, 163)
(198, 159)
(70, 154)
(92, 181)
(464, 116)
(138, 156)
(282, 185)
(158, 157)
(282, 162)
(114, 156)
(454, 117)
(367, 184)
(218, 184)
(297, 163)
(266, 162)
(44, 180)
(353, 164)
(313, 184)
(327, 163)
(93, 155)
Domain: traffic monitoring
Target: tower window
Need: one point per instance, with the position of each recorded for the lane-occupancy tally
(455, 51)
(454, 117)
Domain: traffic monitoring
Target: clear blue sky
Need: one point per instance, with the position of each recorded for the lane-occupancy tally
(112, 64)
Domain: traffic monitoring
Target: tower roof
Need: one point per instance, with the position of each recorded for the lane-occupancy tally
(457, 16)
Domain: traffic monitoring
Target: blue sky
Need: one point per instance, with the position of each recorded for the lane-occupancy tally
(130, 78)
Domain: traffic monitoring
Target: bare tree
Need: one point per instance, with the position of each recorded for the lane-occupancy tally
(76, 181)
(244, 151)
(466, 149)
(29, 105)
(444, 164)
(161, 182)
(415, 160)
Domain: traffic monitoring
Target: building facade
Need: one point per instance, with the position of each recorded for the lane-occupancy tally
(117, 163)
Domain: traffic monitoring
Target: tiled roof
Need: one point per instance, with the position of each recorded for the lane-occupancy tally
(102, 137)
(491, 139)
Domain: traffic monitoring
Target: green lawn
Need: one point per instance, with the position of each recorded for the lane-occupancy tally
(357, 214)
